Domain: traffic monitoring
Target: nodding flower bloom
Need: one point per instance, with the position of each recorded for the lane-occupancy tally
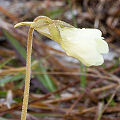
(86, 45)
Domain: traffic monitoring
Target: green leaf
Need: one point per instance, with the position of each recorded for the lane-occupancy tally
(16, 44)
(48, 83)
(3, 94)
(5, 62)
(45, 79)
(7, 79)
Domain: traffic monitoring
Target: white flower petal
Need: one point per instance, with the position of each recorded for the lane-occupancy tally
(102, 46)
(87, 54)
(84, 44)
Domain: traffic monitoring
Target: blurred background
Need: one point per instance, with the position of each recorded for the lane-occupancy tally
(61, 87)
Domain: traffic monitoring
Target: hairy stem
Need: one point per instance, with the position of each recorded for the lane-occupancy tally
(28, 73)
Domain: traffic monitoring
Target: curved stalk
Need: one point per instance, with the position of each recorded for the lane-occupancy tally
(23, 23)
(28, 73)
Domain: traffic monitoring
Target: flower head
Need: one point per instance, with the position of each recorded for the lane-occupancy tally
(86, 45)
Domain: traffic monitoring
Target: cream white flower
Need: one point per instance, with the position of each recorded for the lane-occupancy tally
(86, 45)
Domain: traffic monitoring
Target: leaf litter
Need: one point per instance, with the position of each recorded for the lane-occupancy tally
(99, 99)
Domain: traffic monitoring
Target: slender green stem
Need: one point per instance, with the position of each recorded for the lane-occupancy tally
(73, 17)
(28, 73)
(83, 69)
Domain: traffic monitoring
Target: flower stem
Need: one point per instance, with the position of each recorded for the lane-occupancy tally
(28, 73)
